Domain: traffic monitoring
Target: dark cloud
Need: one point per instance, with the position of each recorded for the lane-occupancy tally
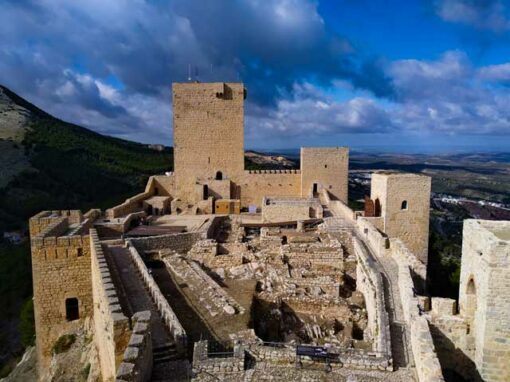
(109, 65)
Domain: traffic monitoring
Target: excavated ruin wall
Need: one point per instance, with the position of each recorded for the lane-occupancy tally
(203, 361)
(111, 327)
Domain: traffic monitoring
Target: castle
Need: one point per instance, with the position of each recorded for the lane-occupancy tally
(215, 272)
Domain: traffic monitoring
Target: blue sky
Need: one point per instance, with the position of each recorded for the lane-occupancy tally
(424, 76)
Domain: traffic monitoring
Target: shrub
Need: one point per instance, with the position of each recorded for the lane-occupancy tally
(85, 372)
(64, 343)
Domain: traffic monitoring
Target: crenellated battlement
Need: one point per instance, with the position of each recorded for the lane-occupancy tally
(276, 172)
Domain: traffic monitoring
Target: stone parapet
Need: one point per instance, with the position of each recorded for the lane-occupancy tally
(217, 363)
(369, 282)
(137, 359)
(376, 240)
(179, 242)
(112, 327)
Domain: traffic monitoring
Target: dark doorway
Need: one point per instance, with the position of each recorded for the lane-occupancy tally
(219, 175)
(72, 309)
(315, 187)
(206, 192)
(377, 207)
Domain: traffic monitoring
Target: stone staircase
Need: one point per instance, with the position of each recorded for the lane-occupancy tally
(165, 353)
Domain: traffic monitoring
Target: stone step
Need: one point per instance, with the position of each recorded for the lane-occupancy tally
(167, 346)
(167, 358)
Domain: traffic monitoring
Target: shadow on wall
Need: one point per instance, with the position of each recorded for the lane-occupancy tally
(456, 366)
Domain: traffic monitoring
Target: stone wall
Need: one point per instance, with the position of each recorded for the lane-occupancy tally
(111, 327)
(167, 314)
(426, 361)
(211, 363)
(418, 269)
(257, 184)
(369, 282)
(41, 220)
(328, 167)
(339, 208)
(290, 209)
(134, 203)
(137, 359)
(180, 242)
(61, 269)
(452, 339)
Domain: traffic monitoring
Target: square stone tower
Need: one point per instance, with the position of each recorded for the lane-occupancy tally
(484, 295)
(325, 168)
(208, 124)
(61, 273)
(403, 202)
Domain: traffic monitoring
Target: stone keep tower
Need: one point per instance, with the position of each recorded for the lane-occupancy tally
(484, 295)
(208, 123)
(325, 168)
(403, 202)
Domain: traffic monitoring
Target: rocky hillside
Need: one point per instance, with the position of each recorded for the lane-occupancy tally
(255, 159)
(49, 163)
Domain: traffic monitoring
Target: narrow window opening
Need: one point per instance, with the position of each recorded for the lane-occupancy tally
(325, 166)
(315, 189)
(404, 205)
(205, 192)
(80, 252)
(72, 309)
(219, 175)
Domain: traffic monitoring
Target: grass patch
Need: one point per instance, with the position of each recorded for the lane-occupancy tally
(64, 343)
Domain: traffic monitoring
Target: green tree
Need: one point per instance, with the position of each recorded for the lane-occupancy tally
(27, 324)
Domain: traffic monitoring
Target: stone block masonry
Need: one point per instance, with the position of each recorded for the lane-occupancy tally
(325, 168)
(61, 272)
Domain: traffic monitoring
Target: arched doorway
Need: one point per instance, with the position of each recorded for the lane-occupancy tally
(219, 175)
(205, 192)
(377, 207)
